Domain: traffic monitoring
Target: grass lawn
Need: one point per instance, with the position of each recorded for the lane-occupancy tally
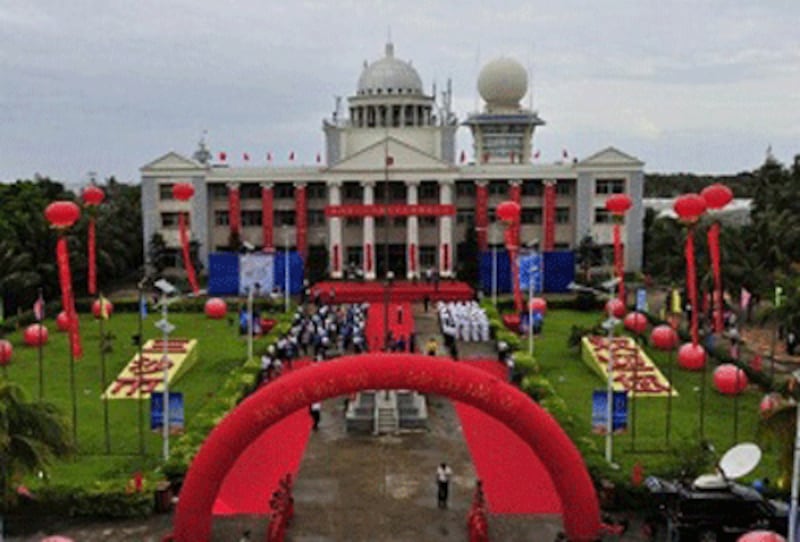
(574, 382)
(220, 349)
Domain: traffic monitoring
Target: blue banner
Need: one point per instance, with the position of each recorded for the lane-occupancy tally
(176, 415)
(600, 411)
(641, 300)
(530, 268)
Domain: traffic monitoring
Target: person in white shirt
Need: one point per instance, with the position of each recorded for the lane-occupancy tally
(443, 474)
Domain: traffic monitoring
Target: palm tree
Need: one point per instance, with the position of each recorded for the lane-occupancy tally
(32, 434)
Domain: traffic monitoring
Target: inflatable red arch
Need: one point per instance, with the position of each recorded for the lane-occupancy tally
(349, 374)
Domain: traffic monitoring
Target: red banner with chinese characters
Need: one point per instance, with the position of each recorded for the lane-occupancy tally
(234, 209)
(390, 210)
(266, 217)
(482, 215)
(301, 220)
(67, 298)
(549, 215)
(412, 257)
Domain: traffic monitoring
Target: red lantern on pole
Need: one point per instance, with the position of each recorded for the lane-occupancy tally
(664, 337)
(509, 212)
(692, 357)
(184, 192)
(62, 321)
(615, 307)
(539, 304)
(62, 215)
(97, 308)
(92, 197)
(35, 335)
(618, 205)
(635, 322)
(729, 379)
(716, 197)
(689, 208)
(216, 308)
(6, 351)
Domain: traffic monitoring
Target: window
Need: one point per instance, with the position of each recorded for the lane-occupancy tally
(283, 191)
(352, 221)
(250, 191)
(316, 217)
(609, 186)
(602, 216)
(380, 221)
(465, 216)
(315, 191)
(465, 188)
(399, 222)
(165, 191)
(498, 188)
(564, 188)
(532, 188)
(251, 218)
(531, 215)
(354, 255)
(427, 221)
(561, 246)
(353, 191)
(427, 256)
(222, 218)
(170, 220)
(428, 190)
(218, 191)
(284, 218)
(562, 215)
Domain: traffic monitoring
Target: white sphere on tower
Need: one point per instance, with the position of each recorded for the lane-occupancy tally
(502, 83)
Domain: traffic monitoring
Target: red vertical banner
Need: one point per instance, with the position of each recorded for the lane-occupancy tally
(67, 297)
(92, 258)
(335, 258)
(482, 215)
(412, 257)
(549, 240)
(445, 257)
(187, 257)
(368, 257)
(301, 220)
(691, 285)
(267, 214)
(234, 209)
(717, 303)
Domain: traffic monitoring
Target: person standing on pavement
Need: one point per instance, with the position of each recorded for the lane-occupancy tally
(316, 413)
(443, 474)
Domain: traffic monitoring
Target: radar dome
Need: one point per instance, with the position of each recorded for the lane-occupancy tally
(502, 83)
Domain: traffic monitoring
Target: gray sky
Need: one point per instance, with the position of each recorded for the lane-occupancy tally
(107, 86)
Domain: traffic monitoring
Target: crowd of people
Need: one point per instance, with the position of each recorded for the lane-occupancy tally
(463, 320)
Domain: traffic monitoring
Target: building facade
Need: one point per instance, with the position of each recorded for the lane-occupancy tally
(393, 195)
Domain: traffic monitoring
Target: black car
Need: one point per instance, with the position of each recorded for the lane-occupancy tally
(712, 509)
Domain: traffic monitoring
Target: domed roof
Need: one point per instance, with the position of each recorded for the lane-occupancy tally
(503, 82)
(389, 75)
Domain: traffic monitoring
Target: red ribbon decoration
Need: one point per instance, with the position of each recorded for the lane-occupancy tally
(482, 215)
(187, 258)
(301, 220)
(92, 259)
(266, 217)
(618, 261)
(713, 247)
(691, 285)
(549, 215)
(67, 298)
(234, 209)
(412, 257)
(445, 257)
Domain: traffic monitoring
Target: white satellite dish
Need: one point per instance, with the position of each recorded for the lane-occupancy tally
(739, 461)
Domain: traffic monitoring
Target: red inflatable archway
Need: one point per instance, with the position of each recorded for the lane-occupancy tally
(349, 374)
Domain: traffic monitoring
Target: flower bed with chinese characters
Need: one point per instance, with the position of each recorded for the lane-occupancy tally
(633, 368)
(142, 377)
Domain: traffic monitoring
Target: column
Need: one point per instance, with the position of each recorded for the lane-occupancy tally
(234, 209)
(267, 217)
(482, 213)
(301, 219)
(412, 261)
(446, 230)
(549, 215)
(369, 233)
(335, 230)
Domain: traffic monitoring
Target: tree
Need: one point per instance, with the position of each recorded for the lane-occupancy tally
(32, 434)
(157, 253)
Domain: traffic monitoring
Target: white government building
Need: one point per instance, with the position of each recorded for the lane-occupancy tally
(391, 189)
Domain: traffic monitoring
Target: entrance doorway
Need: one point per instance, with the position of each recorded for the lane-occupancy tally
(397, 260)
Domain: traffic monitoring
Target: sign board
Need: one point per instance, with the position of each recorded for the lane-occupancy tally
(531, 269)
(641, 300)
(176, 418)
(256, 271)
(390, 210)
(600, 411)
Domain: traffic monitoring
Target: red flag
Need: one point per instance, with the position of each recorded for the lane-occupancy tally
(291, 156)
(390, 160)
(38, 308)
(269, 157)
(463, 157)
(319, 158)
(246, 157)
(223, 156)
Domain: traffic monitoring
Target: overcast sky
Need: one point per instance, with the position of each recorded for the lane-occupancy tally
(107, 86)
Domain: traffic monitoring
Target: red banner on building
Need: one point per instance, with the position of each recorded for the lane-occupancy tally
(391, 210)
(482, 215)
(234, 209)
(266, 217)
(549, 215)
(301, 220)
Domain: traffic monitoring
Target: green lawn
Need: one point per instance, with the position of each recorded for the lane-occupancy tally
(220, 349)
(574, 382)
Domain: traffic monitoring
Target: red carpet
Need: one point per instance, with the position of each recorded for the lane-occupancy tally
(402, 290)
(401, 323)
(254, 476)
(514, 479)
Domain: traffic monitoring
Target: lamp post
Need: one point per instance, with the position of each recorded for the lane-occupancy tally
(166, 328)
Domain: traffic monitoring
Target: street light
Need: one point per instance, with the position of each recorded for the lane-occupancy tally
(166, 328)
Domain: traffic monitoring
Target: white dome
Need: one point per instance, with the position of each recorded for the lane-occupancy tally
(503, 82)
(389, 76)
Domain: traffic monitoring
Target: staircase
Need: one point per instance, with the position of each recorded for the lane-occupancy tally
(387, 417)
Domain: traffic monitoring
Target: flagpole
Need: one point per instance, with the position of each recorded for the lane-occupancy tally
(40, 318)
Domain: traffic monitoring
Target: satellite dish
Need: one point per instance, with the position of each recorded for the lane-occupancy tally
(739, 460)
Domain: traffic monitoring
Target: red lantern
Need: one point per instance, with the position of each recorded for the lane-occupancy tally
(93, 195)
(729, 379)
(615, 308)
(689, 207)
(691, 357)
(35, 335)
(717, 196)
(618, 204)
(183, 191)
(761, 536)
(6, 351)
(508, 211)
(97, 308)
(539, 304)
(62, 321)
(62, 214)
(635, 322)
(216, 308)
(664, 337)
